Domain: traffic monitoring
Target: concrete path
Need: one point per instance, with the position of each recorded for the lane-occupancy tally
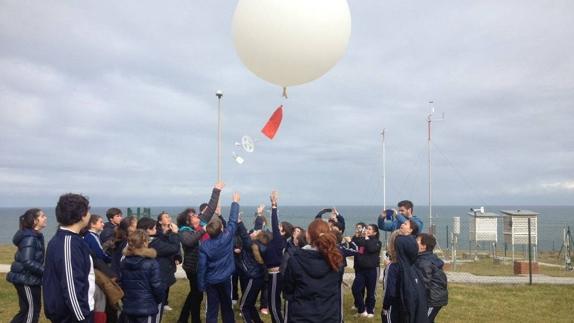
(453, 277)
(467, 278)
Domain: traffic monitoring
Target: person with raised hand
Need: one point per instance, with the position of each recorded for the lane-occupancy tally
(191, 229)
(273, 258)
(216, 265)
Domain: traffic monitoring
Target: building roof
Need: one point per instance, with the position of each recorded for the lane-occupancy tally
(485, 214)
(519, 212)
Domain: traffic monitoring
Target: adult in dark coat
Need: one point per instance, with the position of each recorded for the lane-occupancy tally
(313, 278)
(411, 286)
(28, 266)
(191, 229)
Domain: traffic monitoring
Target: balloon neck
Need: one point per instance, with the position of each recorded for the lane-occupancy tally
(285, 92)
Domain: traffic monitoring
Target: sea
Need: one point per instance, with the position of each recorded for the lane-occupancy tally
(551, 221)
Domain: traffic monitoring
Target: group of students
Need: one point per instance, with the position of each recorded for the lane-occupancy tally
(298, 272)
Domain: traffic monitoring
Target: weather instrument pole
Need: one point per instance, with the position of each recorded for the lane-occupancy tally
(219, 94)
(384, 172)
(429, 122)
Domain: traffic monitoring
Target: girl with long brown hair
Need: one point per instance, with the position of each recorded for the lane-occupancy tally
(313, 278)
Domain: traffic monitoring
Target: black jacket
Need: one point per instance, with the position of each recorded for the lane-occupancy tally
(434, 278)
(167, 247)
(28, 265)
(246, 262)
(190, 238)
(141, 282)
(108, 232)
(312, 288)
(368, 253)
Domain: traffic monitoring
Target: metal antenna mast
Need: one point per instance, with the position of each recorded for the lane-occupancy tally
(384, 172)
(219, 94)
(429, 122)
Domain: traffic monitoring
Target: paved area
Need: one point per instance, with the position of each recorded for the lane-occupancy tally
(456, 277)
(453, 277)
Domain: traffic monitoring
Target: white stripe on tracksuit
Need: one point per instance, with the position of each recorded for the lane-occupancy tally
(244, 295)
(30, 304)
(286, 311)
(70, 279)
(273, 290)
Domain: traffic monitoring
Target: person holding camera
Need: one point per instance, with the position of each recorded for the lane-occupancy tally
(366, 269)
(391, 220)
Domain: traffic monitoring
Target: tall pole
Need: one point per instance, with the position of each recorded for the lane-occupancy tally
(429, 122)
(384, 173)
(219, 94)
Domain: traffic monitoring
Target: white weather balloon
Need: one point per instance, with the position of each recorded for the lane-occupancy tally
(291, 42)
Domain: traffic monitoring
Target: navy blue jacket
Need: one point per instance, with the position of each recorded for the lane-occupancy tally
(108, 232)
(141, 282)
(93, 241)
(274, 254)
(434, 278)
(247, 263)
(65, 283)
(368, 253)
(392, 282)
(28, 265)
(411, 288)
(216, 262)
(312, 288)
(117, 256)
(167, 247)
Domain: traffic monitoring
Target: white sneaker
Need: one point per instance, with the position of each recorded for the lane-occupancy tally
(365, 314)
(167, 308)
(370, 315)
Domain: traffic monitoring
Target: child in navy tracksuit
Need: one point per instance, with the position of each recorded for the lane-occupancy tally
(216, 265)
(100, 258)
(273, 258)
(253, 271)
(69, 280)
(141, 281)
(366, 270)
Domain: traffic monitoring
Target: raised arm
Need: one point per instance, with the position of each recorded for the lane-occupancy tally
(274, 218)
(233, 214)
(205, 215)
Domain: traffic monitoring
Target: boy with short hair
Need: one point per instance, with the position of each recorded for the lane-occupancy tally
(69, 280)
(216, 265)
(434, 278)
(114, 216)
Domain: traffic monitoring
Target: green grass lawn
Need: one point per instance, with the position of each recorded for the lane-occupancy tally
(468, 303)
(7, 252)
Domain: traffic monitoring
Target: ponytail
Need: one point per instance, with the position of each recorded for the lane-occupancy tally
(325, 241)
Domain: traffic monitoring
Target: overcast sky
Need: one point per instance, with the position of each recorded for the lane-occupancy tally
(116, 100)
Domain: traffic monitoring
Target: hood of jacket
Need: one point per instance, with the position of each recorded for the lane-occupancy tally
(430, 256)
(21, 234)
(407, 249)
(134, 257)
(312, 262)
